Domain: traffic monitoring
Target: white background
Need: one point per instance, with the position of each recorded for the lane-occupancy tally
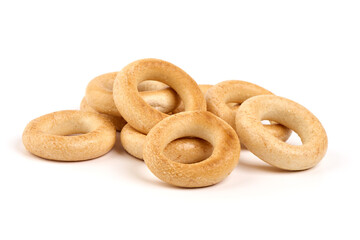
(307, 51)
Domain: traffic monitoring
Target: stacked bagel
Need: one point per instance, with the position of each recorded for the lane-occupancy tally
(188, 135)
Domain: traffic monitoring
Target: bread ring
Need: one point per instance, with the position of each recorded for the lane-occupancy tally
(271, 149)
(118, 122)
(234, 91)
(47, 136)
(184, 150)
(203, 88)
(134, 109)
(99, 95)
(201, 124)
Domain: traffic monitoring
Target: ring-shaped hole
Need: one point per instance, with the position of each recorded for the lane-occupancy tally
(107, 84)
(69, 127)
(151, 85)
(195, 131)
(294, 140)
(291, 121)
(265, 122)
(194, 149)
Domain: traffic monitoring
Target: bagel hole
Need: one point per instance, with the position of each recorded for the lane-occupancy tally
(265, 122)
(74, 134)
(188, 150)
(151, 85)
(158, 101)
(108, 85)
(70, 128)
(294, 139)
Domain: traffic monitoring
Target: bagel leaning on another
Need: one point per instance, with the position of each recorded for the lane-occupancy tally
(271, 149)
(134, 109)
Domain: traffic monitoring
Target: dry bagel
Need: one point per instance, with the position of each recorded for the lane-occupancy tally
(48, 136)
(234, 91)
(118, 122)
(134, 109)
(99, 95)
(184, 150)
(271, 149)
(199, 124)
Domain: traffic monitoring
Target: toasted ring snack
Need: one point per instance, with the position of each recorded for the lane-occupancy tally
(99, 95)
(118, 122)
(47, 136)
(201, 124)
(234, 91)
(271, 149)
(134, 109)
(203, 88)
(183, 150)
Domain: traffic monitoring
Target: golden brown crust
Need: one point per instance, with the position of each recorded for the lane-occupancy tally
(199, 124)
(118, 122)
(221, 99)
(47, 136)
(134, 109)
(271, 149)
(184, 150)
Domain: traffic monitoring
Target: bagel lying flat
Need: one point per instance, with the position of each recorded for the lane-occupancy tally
(200, 124)
(49, 136)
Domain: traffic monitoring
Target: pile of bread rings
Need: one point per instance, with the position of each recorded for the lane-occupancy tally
(188, 135)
